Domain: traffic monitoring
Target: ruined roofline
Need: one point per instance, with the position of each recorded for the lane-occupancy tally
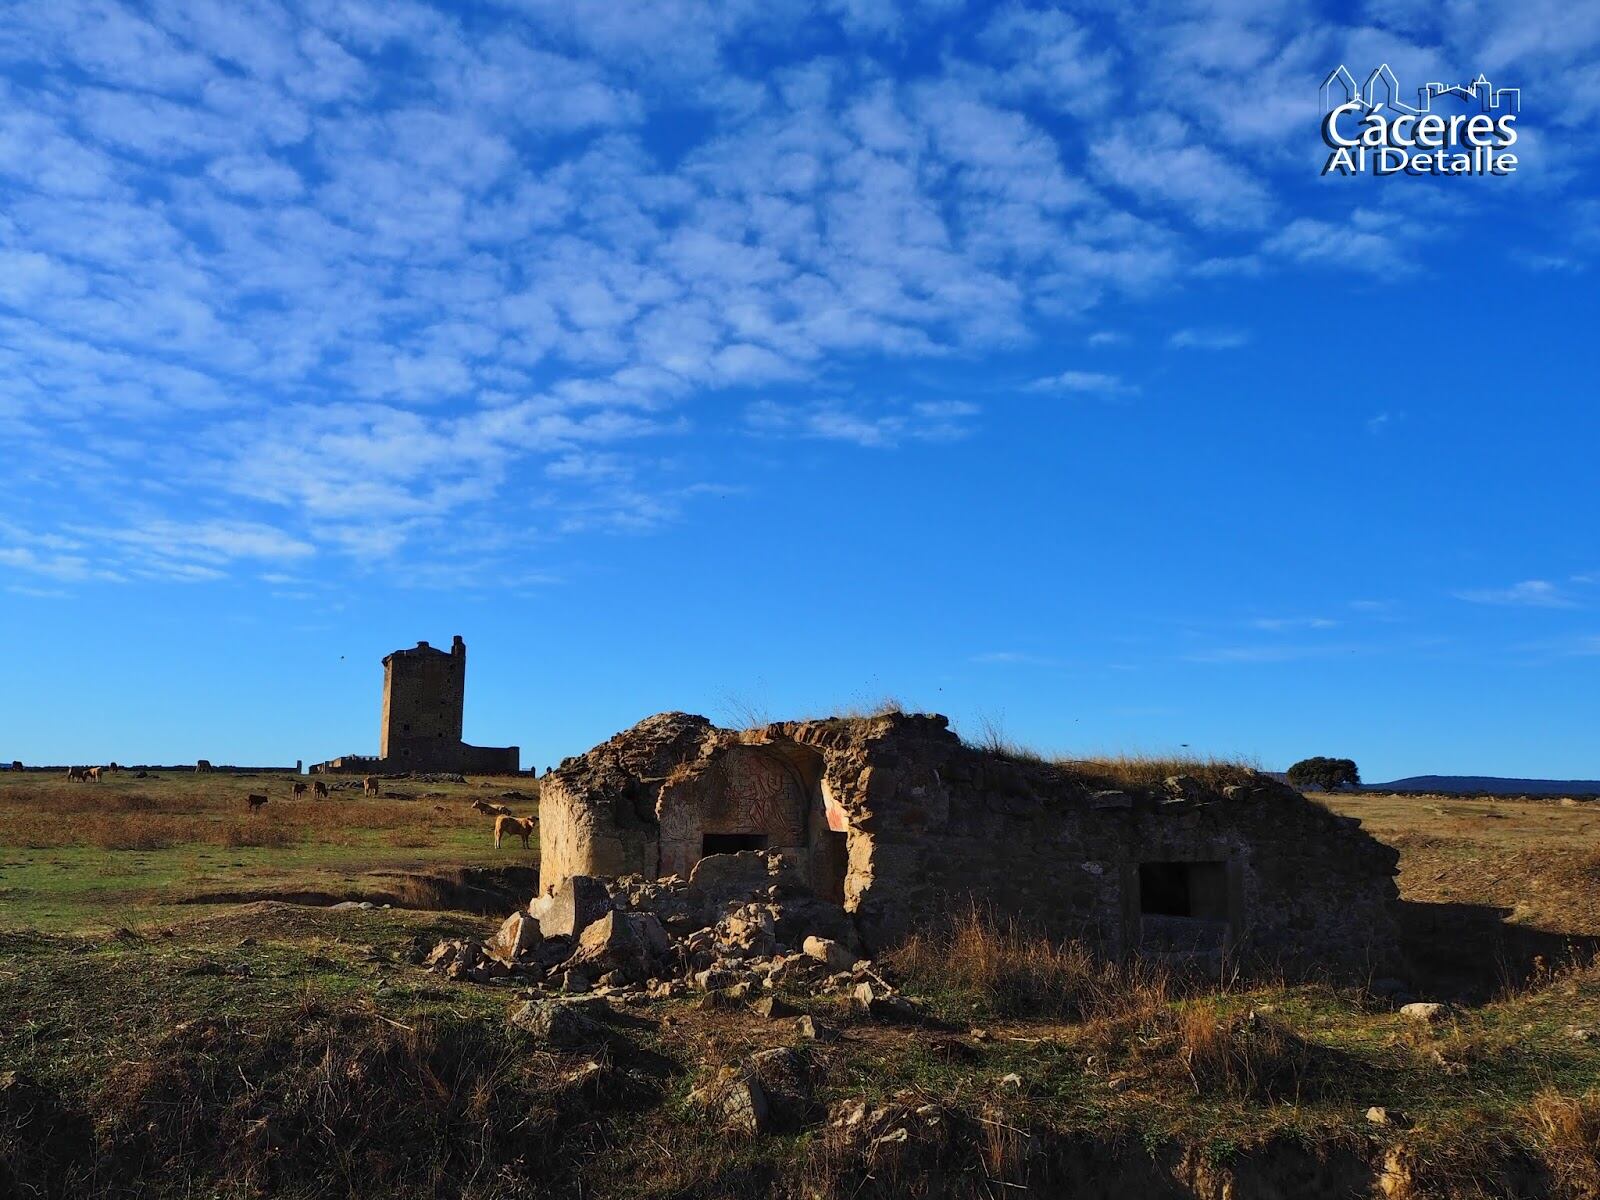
(424, 650)
(692, 736)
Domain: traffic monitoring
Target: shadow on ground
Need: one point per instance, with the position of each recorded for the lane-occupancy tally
(1468, 953)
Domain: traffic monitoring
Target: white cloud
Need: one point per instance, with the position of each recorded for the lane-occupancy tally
(1280, 624)
(1209, 339)
(831, 421)
(1098, 382)
(1157, 158)
(356, 272)
(1530, 593)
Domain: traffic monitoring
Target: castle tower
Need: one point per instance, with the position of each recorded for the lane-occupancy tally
(424, 694)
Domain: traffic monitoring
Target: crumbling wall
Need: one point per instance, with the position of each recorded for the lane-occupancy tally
(910, 825)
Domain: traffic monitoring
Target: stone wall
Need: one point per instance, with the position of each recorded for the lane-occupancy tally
(902, 822)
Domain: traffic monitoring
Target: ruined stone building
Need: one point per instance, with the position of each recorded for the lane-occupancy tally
(424, 695)
(903, 823)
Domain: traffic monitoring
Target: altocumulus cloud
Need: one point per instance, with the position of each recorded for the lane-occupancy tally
(346, 275)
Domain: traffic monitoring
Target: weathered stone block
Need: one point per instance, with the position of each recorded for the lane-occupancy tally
(579, 902)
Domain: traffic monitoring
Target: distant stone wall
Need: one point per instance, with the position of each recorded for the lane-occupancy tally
(906, 825)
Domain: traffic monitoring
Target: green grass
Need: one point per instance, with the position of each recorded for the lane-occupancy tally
(201, 1042)
(132, 852)
(244, 1009)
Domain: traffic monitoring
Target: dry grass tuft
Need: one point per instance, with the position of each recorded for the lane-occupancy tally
(998, 967)
(1248, 1055)
(1120, 770)
(285, 1105)
(1148, 770)
(883, 706)
(1567, 1130)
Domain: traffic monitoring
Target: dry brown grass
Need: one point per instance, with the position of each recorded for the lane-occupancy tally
(1122, 770)
(999, 967)
(46, 818)
(1567, 1132)
(1244, 1055)
(1148, 770)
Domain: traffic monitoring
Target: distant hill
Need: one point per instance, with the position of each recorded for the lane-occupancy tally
(1489, 785)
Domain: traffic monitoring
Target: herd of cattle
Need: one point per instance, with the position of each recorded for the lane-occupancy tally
(506, 822)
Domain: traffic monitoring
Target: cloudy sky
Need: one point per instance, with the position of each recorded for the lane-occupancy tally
(762, 358)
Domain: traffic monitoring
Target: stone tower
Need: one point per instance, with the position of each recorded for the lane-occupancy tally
(424, 694)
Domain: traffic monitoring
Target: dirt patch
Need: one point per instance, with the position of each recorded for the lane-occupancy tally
(484, 891)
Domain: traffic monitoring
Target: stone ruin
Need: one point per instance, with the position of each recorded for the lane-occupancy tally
(679, 857)
(893, 823)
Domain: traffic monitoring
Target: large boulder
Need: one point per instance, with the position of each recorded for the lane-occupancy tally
(579, 902)
(829, 952)
(628, 943)
(720, 877)
(563, 1023)
(517, 939)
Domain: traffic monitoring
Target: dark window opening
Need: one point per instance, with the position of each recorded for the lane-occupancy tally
(731, 843)
(1184, 889)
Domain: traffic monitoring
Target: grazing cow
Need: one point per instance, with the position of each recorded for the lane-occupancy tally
(318, 788)
(369, 786)
(522, 827)
(93, 774)
(79, 774)
(491, 810)
(16, 764)
(202, 766)
(255, 801)
(297, 790)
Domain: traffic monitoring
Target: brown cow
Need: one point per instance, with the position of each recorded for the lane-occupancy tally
(318, 788)
(491, 810)
(93, 774)
(202, 766)
(297, 790)
(369, 786)
(16, 764)
(255, 801)
(522, 827)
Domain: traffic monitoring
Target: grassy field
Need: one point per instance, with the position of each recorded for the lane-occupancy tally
(131, 852)
(153, 1046)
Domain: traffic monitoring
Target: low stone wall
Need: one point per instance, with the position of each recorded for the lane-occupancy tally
(909, 825)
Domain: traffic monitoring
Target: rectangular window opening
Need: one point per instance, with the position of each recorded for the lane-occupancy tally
(1197, 890)
(731, 843)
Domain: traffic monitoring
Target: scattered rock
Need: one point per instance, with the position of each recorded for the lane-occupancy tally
(814, 1030)
(561, 1023)
(877, 1002)
(772, 1007)
(829, 952)
(1424, 1011)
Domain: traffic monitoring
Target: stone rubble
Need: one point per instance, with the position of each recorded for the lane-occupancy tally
(739, 928)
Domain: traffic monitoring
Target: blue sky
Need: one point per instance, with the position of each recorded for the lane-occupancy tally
(766, 358)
